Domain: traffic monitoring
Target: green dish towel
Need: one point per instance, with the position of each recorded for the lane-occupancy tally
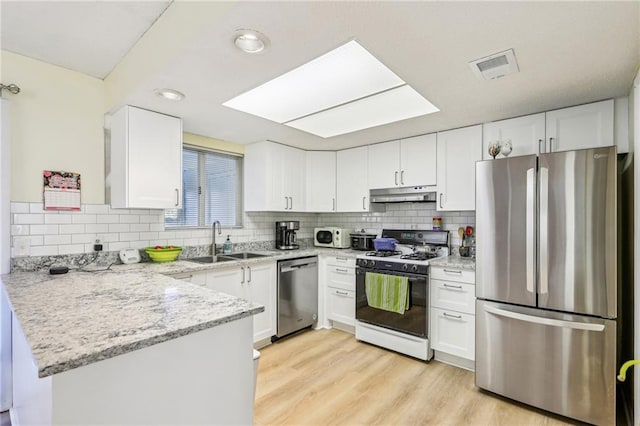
(387, 292)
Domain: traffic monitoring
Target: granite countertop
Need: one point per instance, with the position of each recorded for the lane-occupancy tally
(457, 262)
(185, 266)
(80, 318)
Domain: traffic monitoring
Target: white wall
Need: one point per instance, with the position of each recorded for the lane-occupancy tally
(56, 124)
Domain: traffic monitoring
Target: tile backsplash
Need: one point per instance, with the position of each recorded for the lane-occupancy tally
(36, 232)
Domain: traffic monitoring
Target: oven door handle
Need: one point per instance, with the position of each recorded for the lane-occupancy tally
(361, 270)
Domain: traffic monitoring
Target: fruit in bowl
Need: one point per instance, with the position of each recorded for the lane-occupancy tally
(163, 253)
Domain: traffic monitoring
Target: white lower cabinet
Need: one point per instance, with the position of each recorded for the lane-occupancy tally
(261, 286)
(453, 332)
(254, 282)
(341, 289)
(452, 315)
(341, 305)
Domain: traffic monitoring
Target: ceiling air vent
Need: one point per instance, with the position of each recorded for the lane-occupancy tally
(495, 66)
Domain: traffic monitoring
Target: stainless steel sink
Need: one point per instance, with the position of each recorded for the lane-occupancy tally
(226, 257)
(243, 256)
(210, 259)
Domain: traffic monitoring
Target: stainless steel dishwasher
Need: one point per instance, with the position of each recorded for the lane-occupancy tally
(297, 294)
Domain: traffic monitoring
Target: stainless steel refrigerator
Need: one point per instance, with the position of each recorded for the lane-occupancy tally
(546, 281)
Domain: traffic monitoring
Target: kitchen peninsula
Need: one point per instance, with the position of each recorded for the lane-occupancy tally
(128, 347)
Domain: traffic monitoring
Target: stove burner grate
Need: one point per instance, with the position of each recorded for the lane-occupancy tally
(382, 253)
(419, 256)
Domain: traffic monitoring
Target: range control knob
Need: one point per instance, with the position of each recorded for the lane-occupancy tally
(372, 263)
(405, 267)
(414, 268)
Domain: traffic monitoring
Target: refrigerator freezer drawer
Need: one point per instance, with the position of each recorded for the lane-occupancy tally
(558, 362)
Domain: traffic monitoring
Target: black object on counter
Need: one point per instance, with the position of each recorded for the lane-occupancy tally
(57, 270)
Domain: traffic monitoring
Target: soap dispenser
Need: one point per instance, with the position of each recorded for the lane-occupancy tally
(226, 248)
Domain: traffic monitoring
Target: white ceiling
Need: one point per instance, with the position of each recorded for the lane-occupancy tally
(568, 53)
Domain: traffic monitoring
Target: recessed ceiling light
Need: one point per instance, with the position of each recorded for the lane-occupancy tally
(170, 94)
(342, 91)
(250, 41)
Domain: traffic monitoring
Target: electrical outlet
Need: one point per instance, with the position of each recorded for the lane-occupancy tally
(97, 246)
(21, 246)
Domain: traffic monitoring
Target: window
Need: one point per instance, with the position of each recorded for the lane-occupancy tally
(211, 190)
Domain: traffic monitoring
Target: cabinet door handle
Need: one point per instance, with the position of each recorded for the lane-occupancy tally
(334, 204)
(342, 293)
(363, 206)
(341, 259)
(396, 178)
(286, 203)
(540, 146)
(344, 271)
(249, 269)
(452, 316)
(242, 282)
(402, 177)
(458, 287)
(441, 200)
(452, 271)
(177, 197)
(550, 144)
(291, 203)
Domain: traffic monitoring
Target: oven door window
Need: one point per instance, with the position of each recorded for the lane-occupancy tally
(324, 237)
(413, 321)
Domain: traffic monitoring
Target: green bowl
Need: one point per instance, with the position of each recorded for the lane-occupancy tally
(163, 254)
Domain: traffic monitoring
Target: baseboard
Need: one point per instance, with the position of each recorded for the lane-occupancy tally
(456, 361)
(343, 327)
(262, 343)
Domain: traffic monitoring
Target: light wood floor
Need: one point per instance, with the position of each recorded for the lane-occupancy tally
(327, 377)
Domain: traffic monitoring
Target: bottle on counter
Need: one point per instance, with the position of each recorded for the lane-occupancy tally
(226, 248)
(437, 223)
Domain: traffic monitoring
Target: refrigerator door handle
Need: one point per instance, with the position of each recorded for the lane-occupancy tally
(544, 321)
(544, 229)
(531, 230)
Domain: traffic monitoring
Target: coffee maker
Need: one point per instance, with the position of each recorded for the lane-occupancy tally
(286, 235)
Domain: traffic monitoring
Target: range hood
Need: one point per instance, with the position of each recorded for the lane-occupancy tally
(413, 194)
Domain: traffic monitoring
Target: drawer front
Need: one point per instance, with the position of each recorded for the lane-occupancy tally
(452, 295)
(453, 274)
(341, 261)
(341, 305)
(343, 277)
(453, 333)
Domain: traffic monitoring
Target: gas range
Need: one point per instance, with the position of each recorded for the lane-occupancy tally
(431, 244)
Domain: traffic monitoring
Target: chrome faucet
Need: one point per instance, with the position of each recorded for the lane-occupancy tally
(213, 236)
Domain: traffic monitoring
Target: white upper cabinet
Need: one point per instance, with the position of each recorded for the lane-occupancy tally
(273, 177)
(406, 162)
(352, 188)
(294, 180)
(526, 135)
(321, 181)
(580, 127)
(418, 160)
(458, 151)
(146, 160)
(384, 165)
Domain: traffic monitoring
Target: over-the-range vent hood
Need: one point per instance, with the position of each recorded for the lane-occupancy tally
(413, 194)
